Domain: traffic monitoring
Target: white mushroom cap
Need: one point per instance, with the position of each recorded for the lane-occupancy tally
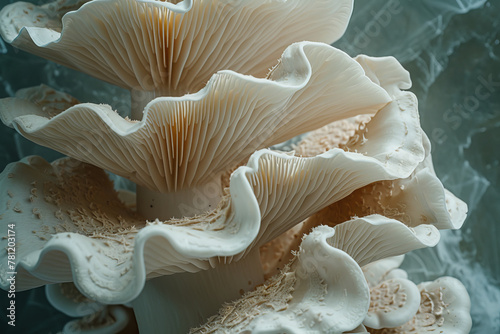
(320, 291)
(392, 303)
(444, 308)
(66, 298)
(169, 47)
(183, 142)
(93, 231)
(392, 238)
(419, 201)
(394, 300)
(94, 317)
(113, 319)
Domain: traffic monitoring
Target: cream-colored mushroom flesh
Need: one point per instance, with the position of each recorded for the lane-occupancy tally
(74, 207)
(187, 141)
(93, 317)
(392, 303)
(280, 306)
(394, 300)
(419, 201)
(172, 48)
(391, 238)
(66, 298)
(442, 306)
(320, 291)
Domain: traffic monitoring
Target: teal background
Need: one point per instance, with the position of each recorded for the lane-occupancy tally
(452, 50)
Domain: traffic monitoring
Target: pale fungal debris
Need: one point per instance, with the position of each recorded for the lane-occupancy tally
(37, 213)
(17, 208)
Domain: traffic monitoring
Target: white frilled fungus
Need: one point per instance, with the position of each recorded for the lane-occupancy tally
(442, 306)
(321, 291)
(169, 47)
(192, 242)
(418, 201)
(113, 250)
(183, 144)
(94, 317)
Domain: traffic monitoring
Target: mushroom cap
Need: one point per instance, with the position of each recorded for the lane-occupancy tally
(83, 232)
(444, 308)
(281, 305)
(184, 141)
(113, 319)
(169, 47)
(419, 201)
(66, 298)
(393, 303)
(321, 290)
(392, 238)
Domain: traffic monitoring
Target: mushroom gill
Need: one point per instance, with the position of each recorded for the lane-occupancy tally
(170, 48)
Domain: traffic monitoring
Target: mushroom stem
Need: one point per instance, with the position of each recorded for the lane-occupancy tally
(176, 303)
(186, 202)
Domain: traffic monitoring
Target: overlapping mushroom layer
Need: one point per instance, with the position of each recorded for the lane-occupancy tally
(418, 201)
(109, 250)
(184, 142)
(171, 48)
(441, 306)
(83, 232)
(321, 290)
(373, 161)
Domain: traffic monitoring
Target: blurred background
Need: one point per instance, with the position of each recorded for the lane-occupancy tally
(452, 50)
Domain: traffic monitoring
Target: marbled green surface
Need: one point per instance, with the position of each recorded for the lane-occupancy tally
(452, 50)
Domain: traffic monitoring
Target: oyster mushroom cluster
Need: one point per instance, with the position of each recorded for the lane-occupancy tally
(216, 86)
